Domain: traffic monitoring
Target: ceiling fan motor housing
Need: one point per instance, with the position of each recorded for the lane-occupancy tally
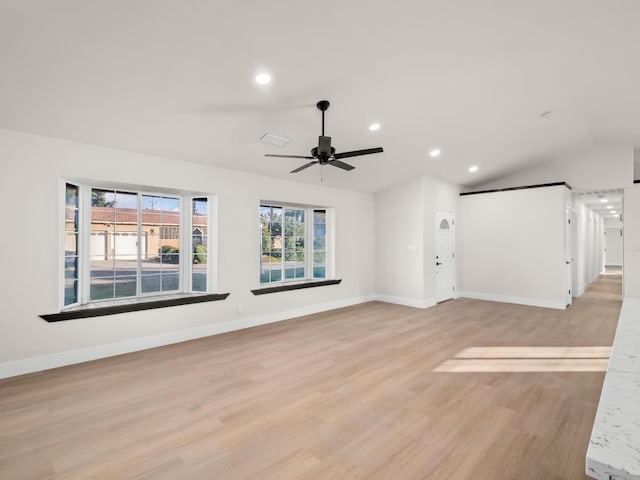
(324, 146)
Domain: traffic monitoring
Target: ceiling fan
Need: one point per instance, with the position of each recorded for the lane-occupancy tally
(324, 153)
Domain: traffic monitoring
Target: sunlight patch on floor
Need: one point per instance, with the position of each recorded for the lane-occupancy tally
(528, 359)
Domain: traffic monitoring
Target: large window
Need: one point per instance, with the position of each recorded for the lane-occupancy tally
(128, 244)
(293, 244)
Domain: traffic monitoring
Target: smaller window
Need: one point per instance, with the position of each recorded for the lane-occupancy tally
(293, 244)
(444, 224)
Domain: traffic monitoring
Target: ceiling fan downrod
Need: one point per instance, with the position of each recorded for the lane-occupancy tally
(323, 105)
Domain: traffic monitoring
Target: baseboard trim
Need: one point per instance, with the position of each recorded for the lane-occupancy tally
(61, 359)
(408, 302)
(532, 302)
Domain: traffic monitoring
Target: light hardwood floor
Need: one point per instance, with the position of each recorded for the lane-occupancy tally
(347, 394)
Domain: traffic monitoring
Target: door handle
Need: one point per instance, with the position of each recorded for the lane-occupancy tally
(567, 263)
(438, 263)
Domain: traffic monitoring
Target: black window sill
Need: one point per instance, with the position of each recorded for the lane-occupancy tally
(132, 307)
(294, 286)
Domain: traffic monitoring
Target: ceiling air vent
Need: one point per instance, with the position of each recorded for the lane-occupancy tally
(274, 139)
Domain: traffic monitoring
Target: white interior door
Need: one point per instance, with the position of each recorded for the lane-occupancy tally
(445, 256)
(574, 252)
(613, 245)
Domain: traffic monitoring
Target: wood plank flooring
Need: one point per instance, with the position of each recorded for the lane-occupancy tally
(347, 394)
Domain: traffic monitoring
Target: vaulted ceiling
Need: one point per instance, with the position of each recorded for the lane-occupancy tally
(472, 78)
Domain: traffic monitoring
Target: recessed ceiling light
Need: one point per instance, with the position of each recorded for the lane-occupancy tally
(435, 153)
(374, 126)
(603, 200)
(473, 168)
(609, 206)
(263, 79)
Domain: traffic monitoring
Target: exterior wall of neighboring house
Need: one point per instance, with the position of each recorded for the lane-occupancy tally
(157, 229)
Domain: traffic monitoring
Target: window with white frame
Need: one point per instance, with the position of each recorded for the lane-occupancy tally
(293, 243)
(122, 243)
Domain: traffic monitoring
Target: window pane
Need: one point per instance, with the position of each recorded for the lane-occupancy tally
(71, 267)
(151, 202)
(126, 267)
(289, 270)
(150, 283)
(276, 275)
(101, 288)
(70, 219)
(319, 216)
(71, 243)
(199, 255)
(275, 229)
(126, 286)
(319, 272)
(71, 195)
(319, 243)
(170, 204)
(70, 292)
(102, 244)
(170, 281)
(102, 198)
(171, 260)
(126, 201)
(319, 229)
(199, 275)
(125, 241)
(102, 268)
(150, 246)
(70, 280)
(276, 214)
(319, 257)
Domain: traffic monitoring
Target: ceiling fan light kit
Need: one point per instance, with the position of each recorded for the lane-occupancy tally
(324, 153)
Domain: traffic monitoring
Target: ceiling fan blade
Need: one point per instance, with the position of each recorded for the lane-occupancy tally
(342, 165)
(306, 165)
(357, 153)
(288, 156)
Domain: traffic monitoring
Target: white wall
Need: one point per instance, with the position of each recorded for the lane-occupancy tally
(511, 246)
(32, 167)
(399, 238)
(631, 271)
(599, 169)
(405, 239)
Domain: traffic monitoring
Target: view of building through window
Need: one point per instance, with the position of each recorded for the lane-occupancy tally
(293, 243)
(133, 244)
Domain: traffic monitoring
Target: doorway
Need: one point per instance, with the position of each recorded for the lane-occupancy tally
(445, 256)
(613, 246)
(570, 255)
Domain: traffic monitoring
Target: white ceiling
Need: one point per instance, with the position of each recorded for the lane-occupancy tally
(470, 77)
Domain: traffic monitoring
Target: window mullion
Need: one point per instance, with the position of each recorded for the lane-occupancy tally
(308, 243)
(139, 262)
(185, 229)
(85, 249)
